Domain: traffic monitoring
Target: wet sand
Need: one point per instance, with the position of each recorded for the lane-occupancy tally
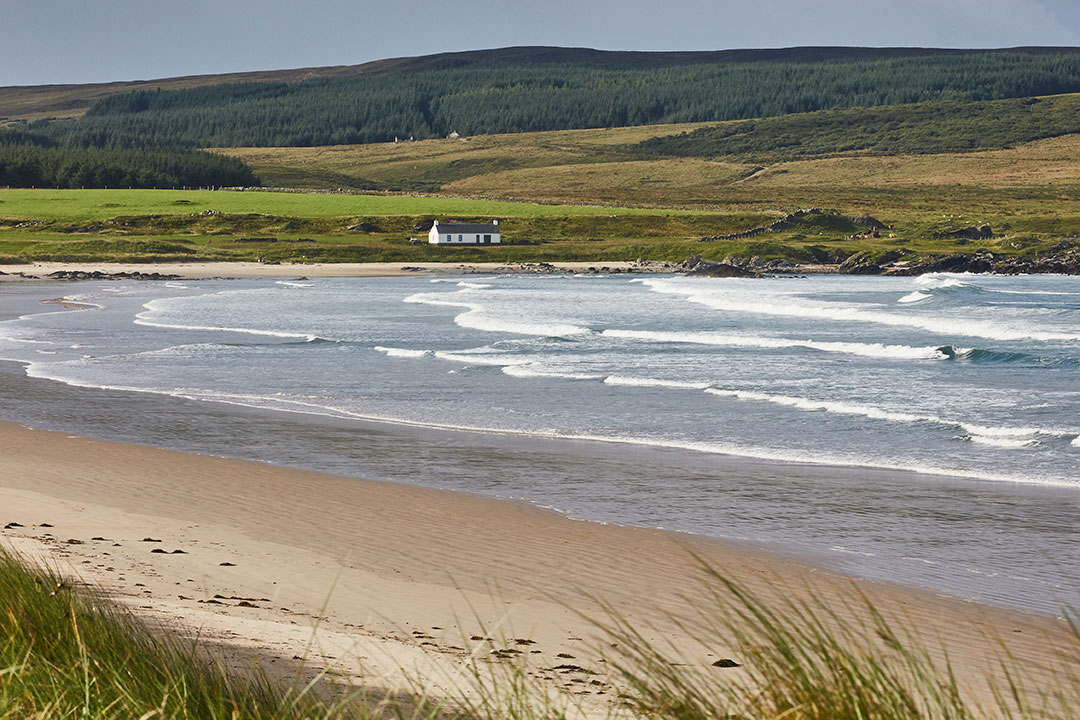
(401, 580)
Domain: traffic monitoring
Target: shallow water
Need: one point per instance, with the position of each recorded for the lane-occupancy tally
(787, 412)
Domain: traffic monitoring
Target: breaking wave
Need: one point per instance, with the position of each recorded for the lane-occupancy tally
(873, 350)
(476, 317)
(794, 306)
(403, 352)
(978, 433)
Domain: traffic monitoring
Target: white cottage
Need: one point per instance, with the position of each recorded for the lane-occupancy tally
(464, 233)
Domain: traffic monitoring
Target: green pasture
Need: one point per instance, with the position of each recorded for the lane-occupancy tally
(96, 205)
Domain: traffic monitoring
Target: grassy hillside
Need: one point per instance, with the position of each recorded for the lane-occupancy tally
(614, 193)
(147, 225)
(429, 165)
(662, 164)
(82, 225)
(1030, 188)
(84, 206)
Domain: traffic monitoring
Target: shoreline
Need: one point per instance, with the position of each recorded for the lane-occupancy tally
(232, 270)
(235, 270)
(462, 448)
(405, 576)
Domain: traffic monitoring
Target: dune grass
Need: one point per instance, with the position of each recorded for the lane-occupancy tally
(804, 660)
(68, 652)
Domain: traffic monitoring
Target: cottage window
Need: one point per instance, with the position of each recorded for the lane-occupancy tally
(487, 239)
(459, 239)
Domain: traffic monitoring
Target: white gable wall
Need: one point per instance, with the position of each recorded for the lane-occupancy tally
(439, 236)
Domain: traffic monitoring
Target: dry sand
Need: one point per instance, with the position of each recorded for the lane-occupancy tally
(198, 271)
(405, 580)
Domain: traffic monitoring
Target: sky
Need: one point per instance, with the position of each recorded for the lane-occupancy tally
(80, 41)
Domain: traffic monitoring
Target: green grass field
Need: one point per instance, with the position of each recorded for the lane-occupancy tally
(562, 196)
(170, 226)
(92, 205)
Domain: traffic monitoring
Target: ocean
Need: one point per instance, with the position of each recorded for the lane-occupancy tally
(918, 430)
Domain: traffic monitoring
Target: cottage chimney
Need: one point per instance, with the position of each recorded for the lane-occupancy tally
(496, 222)
(434, 223)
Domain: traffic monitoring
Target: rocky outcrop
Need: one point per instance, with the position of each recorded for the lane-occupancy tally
(782, 224)
(866, 263)
(92, 227)
(869, 221)
(956, 263)
(1063, 258)
(972, 232)
(98, 275)
(699, 267)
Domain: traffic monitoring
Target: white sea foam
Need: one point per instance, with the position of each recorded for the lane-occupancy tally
(473, 285)
(873, 350)
(176, 285)
(842, 549)
(626, 381)
(152, 307)
(724, 299)
(946, 280)
(42, 370)
(24, 340)
(978, 433)
(1008, 443)
(913, 297)
(294, 284)
(489, 359)
(535, 370)
(477, 317)
(403, 352)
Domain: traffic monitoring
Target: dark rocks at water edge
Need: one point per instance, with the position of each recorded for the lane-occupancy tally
(699, 267)
(1063, 258)
(99, 275)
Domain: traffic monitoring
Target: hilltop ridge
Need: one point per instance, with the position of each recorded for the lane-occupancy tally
(36, 102)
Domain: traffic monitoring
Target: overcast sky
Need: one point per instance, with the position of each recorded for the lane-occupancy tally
(78, 41)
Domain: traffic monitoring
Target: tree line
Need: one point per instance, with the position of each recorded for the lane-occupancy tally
(35, 160)
(931, 127)
(484, 95)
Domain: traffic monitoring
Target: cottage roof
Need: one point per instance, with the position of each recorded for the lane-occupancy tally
(468, 228)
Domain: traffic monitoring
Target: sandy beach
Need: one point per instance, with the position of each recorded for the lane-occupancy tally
(403, 581)
(203, 270)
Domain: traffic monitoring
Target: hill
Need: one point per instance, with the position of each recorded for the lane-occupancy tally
(37, 102)
(537, 89)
